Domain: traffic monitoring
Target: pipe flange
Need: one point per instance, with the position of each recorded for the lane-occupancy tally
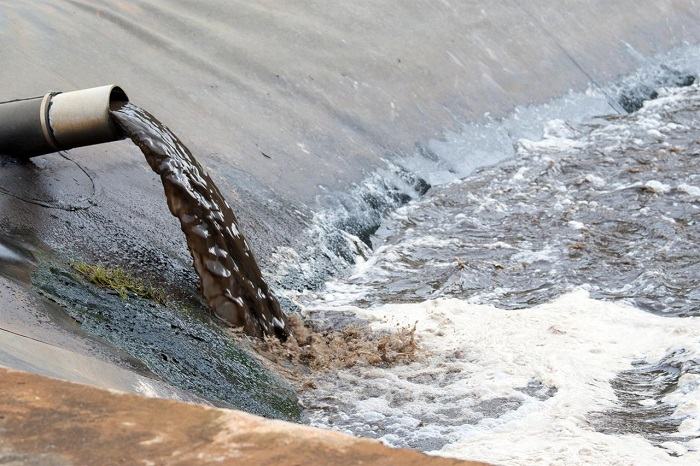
(45, 121)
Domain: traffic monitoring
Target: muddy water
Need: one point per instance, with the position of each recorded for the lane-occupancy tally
(231, 281)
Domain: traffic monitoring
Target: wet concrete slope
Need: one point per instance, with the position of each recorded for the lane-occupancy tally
(281, 101)
(279, 97)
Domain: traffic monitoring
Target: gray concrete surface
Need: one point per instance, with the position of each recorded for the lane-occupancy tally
(23, 353)
(324, 89)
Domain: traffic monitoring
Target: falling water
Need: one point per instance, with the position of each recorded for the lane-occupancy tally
(231, 281)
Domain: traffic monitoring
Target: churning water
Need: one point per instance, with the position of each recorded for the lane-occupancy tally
(555, 292)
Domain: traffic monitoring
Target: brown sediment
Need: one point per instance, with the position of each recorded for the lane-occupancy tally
(308, 353)
(50, 422)
(231, 281)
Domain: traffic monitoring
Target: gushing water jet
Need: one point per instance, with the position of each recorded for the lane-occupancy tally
(231, 281)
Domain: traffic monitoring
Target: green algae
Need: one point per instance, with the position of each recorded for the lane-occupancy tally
(178, 343)
(123, 283)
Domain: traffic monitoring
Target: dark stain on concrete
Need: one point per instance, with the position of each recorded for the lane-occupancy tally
(180, 345)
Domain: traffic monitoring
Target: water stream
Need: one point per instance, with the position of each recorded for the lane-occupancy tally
(231, 281)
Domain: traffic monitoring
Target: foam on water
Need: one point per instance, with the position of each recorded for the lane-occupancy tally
(605, 204)
(519, 387)
(554, 291)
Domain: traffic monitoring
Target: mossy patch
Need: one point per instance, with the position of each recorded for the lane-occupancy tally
(116, 279)
(182, 348)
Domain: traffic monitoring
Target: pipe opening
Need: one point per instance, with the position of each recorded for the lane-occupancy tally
(117, 98)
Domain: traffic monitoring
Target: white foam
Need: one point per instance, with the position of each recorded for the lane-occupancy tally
(481, 355)
(576, 344)
(688, 189)
(531, 257)
(657, 186)
(596, 181)
(686, 398)
(147, 389)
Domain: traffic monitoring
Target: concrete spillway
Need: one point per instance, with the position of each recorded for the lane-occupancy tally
(323, 90)
(283, 102)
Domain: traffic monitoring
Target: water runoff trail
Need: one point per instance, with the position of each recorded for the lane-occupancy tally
(556, 300)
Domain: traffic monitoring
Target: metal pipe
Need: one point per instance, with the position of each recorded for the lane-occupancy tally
(59, 121)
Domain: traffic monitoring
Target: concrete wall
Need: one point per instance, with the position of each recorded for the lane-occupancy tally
(47, 422)
(323, 88)
(349, 81)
